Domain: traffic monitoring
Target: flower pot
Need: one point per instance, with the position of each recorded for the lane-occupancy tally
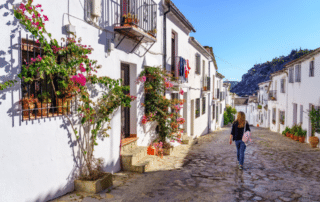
(94, 186)
(29, 107)
(292, 136)
(150, 150)
(44, 109)
(288, 134)
(63, 105)
(257, 125)
(296, 138)
(314, 141)
(129, 20)
(301, 139)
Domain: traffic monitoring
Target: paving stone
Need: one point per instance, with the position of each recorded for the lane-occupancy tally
(285, 198)
(257, 198)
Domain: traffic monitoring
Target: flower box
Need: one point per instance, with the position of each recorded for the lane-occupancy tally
(94, 187)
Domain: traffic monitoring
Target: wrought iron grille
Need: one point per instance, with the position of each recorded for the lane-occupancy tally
(273, 95)
(143, 14)
(38, 97)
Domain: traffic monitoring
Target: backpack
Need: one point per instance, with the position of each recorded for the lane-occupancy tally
(246, 135)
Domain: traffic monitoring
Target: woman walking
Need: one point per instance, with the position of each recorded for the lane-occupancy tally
(237, 131)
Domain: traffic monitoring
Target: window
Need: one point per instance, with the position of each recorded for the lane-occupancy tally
(217, 114)
(317, 129)
(282, 117)
(38, 97)
(283, 81)
(173, 53)
(301, 114)
(297, 73)
(291, 75)
(198, 64)
(197, 107)
(311, 69)
(203, 105)
(213, 111)
(220, 108)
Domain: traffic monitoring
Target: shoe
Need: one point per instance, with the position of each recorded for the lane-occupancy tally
(240, 167)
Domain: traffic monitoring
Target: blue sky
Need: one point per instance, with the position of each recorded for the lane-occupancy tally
(245, 32)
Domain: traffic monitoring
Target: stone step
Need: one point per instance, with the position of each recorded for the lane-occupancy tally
(135, 154)
(187, 140)
(145, 164)
(129, 144)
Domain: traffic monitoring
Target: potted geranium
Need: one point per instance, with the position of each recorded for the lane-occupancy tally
(286, 130)
(44, 102)
(28, 103)
(302, 136)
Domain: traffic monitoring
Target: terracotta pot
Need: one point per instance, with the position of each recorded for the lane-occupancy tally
(296, 138)
(129, 20)
(44, 109)
(150, 151)
(301, 139)
(257, 125)
(292, 136)
(66, 106)
(288, 134)
(29, 107)
(314, 141)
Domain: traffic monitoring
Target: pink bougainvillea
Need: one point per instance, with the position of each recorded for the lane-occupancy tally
(168, 84)
(80, 79)
(181, 92)
(82, 68)
(141, 79)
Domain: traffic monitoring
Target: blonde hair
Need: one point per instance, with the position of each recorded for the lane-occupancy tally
(241, 119)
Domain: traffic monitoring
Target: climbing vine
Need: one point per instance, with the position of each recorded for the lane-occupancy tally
(70, 71)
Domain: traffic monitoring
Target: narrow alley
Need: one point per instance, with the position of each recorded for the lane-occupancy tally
(276, 168)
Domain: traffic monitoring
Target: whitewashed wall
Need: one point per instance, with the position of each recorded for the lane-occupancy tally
(39, 158)
(304, 93)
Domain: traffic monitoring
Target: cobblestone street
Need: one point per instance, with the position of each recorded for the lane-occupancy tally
(276, 168)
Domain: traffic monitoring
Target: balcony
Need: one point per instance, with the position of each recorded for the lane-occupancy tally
(137, 21)
(273, 95)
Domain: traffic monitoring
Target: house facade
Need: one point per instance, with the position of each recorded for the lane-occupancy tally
(302, 90)
(45, 146)
(263, 102)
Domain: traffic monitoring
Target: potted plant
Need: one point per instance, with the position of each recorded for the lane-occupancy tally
(296, 136)
(136, 21)
(259, 107)
(274, 121)
(314, 115)
(302, 136)
(43, 103)
(286, 130)
(129, 19)
(27, 104)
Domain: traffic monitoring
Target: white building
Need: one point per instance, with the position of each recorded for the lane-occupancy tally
(252, 111)
(303, 90)
(263, 102)
(277, 104)
(241, 105)
(42, 149)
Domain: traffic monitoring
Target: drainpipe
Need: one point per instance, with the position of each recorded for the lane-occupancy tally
(165, 37)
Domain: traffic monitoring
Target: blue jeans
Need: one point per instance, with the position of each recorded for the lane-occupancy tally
(241, 147)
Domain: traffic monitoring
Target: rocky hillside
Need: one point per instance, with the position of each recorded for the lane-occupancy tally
(261, 72)
(233, 83)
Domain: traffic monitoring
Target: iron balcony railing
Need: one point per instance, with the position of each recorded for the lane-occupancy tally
(273, 95)
(139, 13)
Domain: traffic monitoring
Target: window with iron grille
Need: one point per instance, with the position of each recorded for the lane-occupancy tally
(218, 93)
(297, 73)
(203, 105)
(291, 75)
(198, 63)
(38, 97)
(213, 111)
(295, 113)
(283, 81)
(311, 69)
(197, 107)
(220, 108)
(208, 83)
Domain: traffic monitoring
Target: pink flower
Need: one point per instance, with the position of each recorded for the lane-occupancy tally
(82, 68)
(37, 41)
(168, 84)
(41, 10)
(181, 92)
(80, 79)
(45, 18)
(38, 6)
(144, 119)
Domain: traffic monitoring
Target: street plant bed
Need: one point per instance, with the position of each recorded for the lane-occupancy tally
(104, 182)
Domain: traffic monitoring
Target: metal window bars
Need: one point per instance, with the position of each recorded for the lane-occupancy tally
(273, 95)
(38, 97)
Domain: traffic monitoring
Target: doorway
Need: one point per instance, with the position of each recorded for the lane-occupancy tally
(125, 111)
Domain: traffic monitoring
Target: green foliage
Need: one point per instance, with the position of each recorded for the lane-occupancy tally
(314, 115)
(287, 129)
(229, 115)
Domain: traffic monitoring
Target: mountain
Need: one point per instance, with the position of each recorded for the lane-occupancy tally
(233, 83)
(261, 72)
